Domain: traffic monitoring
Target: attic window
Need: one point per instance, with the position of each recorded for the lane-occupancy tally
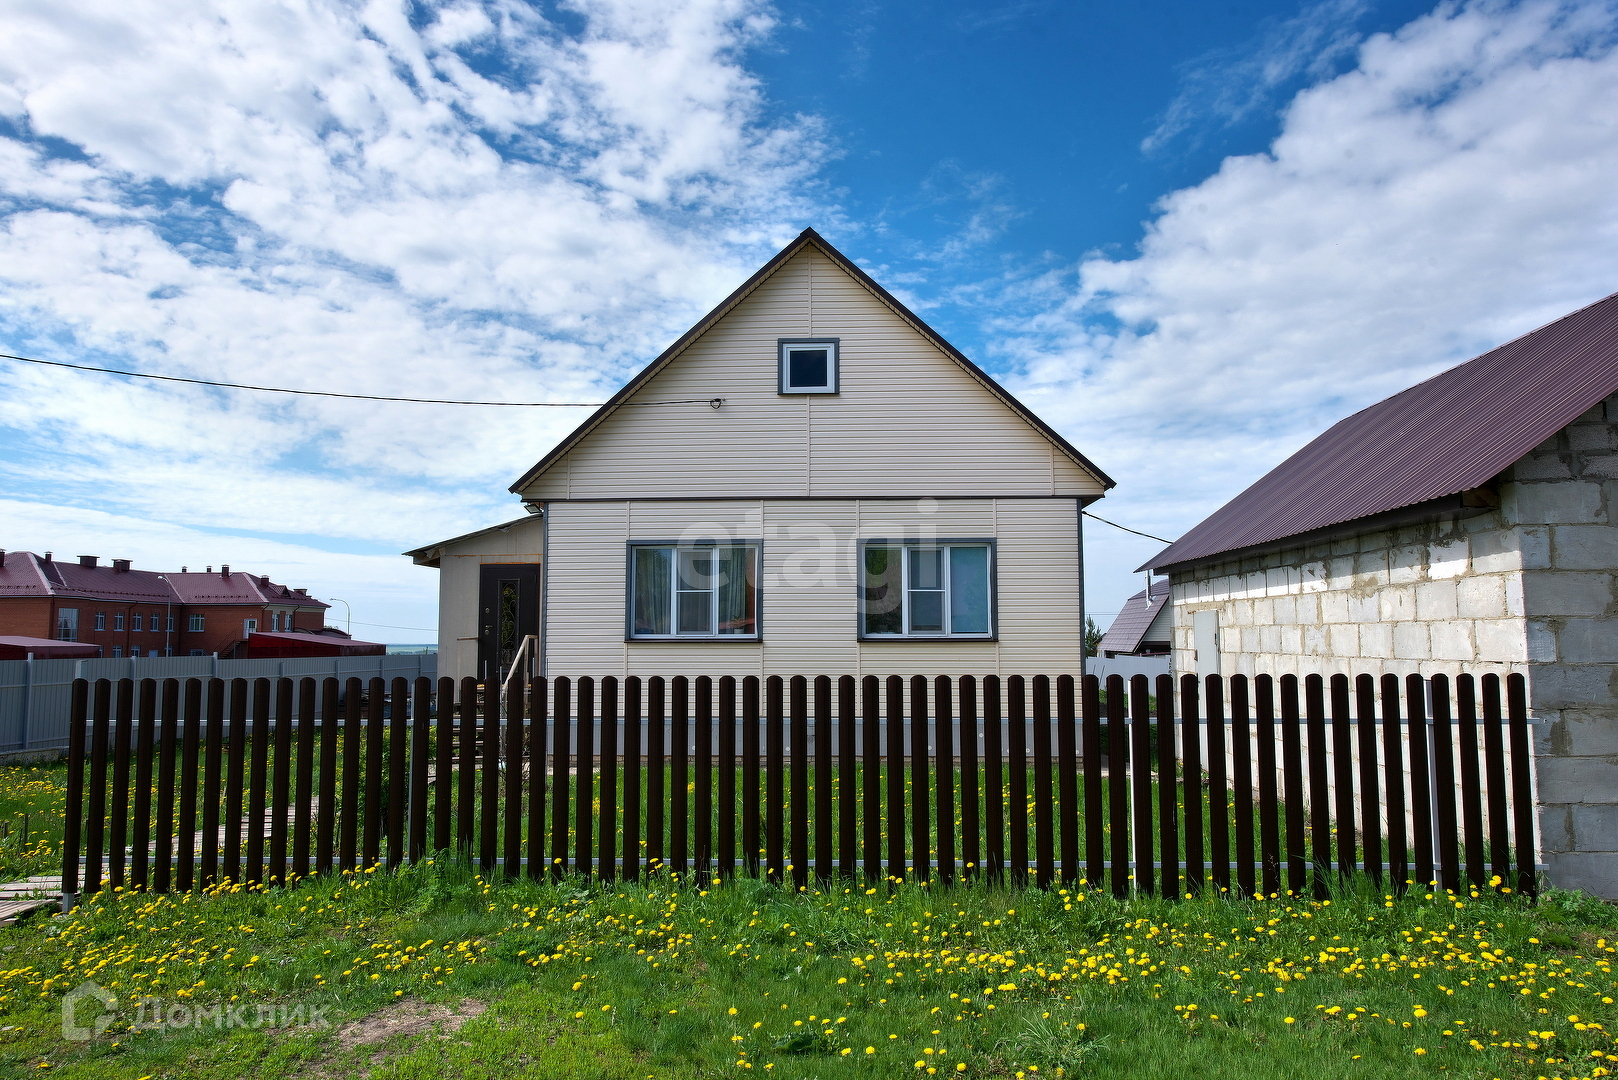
(808, 365)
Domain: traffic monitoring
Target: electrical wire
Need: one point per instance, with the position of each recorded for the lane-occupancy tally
(715, 402)
(1126, 528)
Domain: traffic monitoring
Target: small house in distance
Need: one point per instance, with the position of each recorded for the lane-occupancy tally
(810, 480)
(1467, 524)
(1145, 627)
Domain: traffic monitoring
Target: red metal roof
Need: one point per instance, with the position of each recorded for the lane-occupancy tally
(25, 574)
(1455, 432)
(15, 647)
(269, 644)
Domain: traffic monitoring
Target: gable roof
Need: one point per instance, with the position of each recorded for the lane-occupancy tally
(22, 573)
(1449, 435)
(805, 239)
(1129, 627)
(429, 554)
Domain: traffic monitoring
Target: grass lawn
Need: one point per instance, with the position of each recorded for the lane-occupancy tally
(429, 971)
(32, 802)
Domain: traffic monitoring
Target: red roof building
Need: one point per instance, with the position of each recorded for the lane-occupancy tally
(122, 611)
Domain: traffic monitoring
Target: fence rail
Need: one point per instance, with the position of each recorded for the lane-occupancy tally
(1246, 785)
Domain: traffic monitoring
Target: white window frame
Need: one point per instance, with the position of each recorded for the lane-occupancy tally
(833, 348)
(675, 590)
(249, 626)
(196, 624)
(909, 548)
(67, 624)
(137, 623)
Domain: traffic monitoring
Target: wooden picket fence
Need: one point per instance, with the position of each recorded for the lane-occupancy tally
(1247, 785)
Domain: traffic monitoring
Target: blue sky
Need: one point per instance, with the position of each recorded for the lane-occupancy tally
(1190, 235)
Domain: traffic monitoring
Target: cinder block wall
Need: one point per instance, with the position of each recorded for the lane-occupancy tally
(1529, 587)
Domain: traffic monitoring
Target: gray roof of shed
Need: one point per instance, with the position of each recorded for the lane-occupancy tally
(1129, 626)
(1451, 434)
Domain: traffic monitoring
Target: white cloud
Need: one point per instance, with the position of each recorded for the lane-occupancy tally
(455, 200)
(1452, 191)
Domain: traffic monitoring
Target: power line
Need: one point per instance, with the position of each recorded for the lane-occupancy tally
(715, 402)
(386, 626)
(1126, 528)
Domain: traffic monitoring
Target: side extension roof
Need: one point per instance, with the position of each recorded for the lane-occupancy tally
(1449, 435)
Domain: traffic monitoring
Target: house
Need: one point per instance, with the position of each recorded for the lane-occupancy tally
(127, 612)
(1144, 627)
(1466, 524)
(810, 480)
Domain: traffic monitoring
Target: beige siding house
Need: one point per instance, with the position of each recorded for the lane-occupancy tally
(809, 481)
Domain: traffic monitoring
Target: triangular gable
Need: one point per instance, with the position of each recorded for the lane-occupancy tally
(808, 238)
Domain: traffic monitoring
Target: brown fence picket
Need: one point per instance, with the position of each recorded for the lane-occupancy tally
(1044, 817)
(1118, 783)
(1140, 782)
(1017, 777)
(824, 832)
(466, 778)
(1466, 714)
(1342, 762)
(1095, 853)
(752, 845)
(303, 794)
(1191, 754)
(1292, 775)
(1443, 749)
(944, 775)
(896, 778)
(281, 780)
(920, 787)
(561, 784)
(1269, 802)
(871, 755)
(702, 774)
(607, 854)
(96, 810)
(141, 814)
(1067, 795)
(584, 778)
(679, 768)
(538, 710)
(443, 767)
(725, 854)
(994, 783)
(118, 802)
(848, 776)
(633, 765)
(167, 739)
(774, 778)
(73, 816)
(1168, 816)
(798, 833)
(971, 816)
(1494, 763)
(1522, 786)
(326, 812)
(1393, 784)
(1320, 840)
(1421, 804)
(511, 847)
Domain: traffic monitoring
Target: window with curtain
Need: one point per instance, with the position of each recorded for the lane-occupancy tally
(703, 591)
(942, 589)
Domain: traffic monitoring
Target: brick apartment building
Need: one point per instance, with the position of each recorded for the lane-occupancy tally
(128, 612)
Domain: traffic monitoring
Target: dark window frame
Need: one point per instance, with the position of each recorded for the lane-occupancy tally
(717, 639)
(942, 541)
(834, 362)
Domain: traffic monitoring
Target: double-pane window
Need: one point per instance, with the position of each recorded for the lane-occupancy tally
(136, 624)
(195, 624)
(67, 624)
(927, 590)
(693, 592)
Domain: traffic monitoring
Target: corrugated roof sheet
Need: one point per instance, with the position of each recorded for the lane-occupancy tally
(1130, 625)
(26, 574)
(1452, 433)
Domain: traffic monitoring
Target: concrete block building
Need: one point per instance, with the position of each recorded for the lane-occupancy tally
(1468, 524)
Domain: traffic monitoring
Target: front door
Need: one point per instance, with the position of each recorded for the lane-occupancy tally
(508, 611)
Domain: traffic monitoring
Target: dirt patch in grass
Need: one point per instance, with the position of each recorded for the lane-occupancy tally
(409, 1018)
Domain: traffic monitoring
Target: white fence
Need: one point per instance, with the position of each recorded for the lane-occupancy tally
(1128, 667)
(35, 694)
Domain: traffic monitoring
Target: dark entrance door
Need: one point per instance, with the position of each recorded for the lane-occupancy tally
(508, 611)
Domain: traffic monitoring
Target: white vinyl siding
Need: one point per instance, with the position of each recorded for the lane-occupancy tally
(808, 600)
(907, 419)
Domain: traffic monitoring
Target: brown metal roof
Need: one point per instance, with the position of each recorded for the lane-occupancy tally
(1129, 626)
(1453, 433)
(25, 574)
